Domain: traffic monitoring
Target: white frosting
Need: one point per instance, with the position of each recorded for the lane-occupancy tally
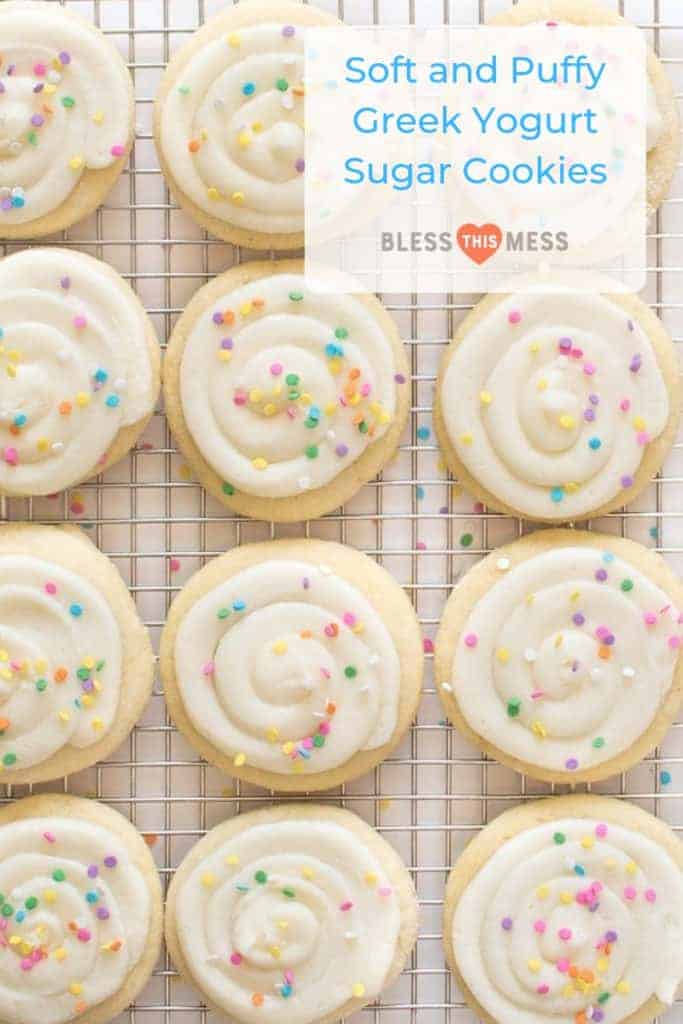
(65, 107)
(76, 946)
(550, 401)
(564, 662)
(288, 667)
(298, 914)
(232, 128)
(655, 122)
(515, 939)
(74, 368)
(281, 389)
(60, 662)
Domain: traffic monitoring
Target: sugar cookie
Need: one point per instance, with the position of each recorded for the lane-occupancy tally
(76, 664)
(558, 406)
(559, 654)
(81, 911)
(293, 664)
(300, 912)
(79, 369)
(568, 909)
(284, 401)
(229, 123)
(66, 118)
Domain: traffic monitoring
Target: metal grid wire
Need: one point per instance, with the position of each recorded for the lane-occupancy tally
(159, 526)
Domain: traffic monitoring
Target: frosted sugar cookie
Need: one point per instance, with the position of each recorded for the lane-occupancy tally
(568, 909)
(559, 654)
(66, 118)
(294, 664)
(229, 123)
(300, 913)
(663, 127)
(76, 664)
(81, 911)
(282, 400)
(558, 406)
(79, 369)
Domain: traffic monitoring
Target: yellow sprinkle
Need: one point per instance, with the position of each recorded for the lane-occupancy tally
(538, 729)
(239, 760)
(602, 964)
(272, 734)
(632, 868)
(4, 656)
(259, 463)
(212, 192)
(64, 716)
(25, 948)
(466, 438)
(279, 647)
(244, 140)
(588, 842)
(269, 409)
(558, 640)
(610, 863)
(89, 662)
(233, 39)
(49, 895)
(358, 990)
(330, 408)
(542, 384)
(542, 892)
(534, 966)
(256, 127)
(568, 991)
(334, 366)
(623, 987)
(255, 395)
(283, 925)
(15, 940)
(11, 370)
(275, 952)
(98, 117)
(86, 700)
(530, 598)
(485, 397)
(82, 399)
(75, 163)
(639, 423)
(50, 89)
(60, 954)
(232, 859)
(75, 988)
(224, 356)
(503, 655)
(354, 399)
(567, 422)
(287, 747)
(5, 673)
(371, 878)
(307, 872)
(237, 198)
(575, 595)
(97, 724)
(534, 347)
(208, 879)
(246, 308)
(306, 399)
(571, 487)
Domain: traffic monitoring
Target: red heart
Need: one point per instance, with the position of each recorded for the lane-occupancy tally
(479, 242)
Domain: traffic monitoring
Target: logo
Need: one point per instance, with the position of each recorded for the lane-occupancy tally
(479, 243)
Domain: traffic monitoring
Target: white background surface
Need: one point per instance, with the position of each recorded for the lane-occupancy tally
(437, 791)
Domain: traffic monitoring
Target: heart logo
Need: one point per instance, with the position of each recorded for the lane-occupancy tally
(479, 242)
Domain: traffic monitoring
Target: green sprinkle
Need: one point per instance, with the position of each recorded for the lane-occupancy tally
(318, 740)
(59, 875)
(341, 333)
(261, 877)
(296, 296)
(31, 903)
(228, 488)
(598, 742)
(282, 84)
(83, 673)
(32, 138)
(223, 613)
(312, 451)
(603, 997)
(68, 102)
(9, 759)
(292, 379)
(514, 706)
(466, 540)
(363, 427)
(41, 685)
(7, 910)
(627, 585)
(289, 893)
(350, 672)
(559, 838)
(184, 90)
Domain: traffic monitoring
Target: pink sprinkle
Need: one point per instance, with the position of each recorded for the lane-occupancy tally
(349, 619)
(428, 645)
(543, 990)
(39, 70)
(471, 640)
(11, 456)
(643, 438)
(240, 398)
(629, 893)
(576, 353)
(365, 390)
(478, 508)
(324, 728)
(307, 743)
(650, 895)
(625, 404)
(565, 934)
(589, 369)
(26, 964)
(346, 905)
(582, 897)
(15, 664)
(174, 564)
(276, 369)
(208, 668)
(674, 642)
(289, 977)
(77, 508)
(562, 965)
(325, 673)
(385, 890)
(514, 316)
(118, 150)
(540, 927)
(50, 588)
(601, 830)
(649, 618)
(236, 959)
(537, 694)
(80, 321)
(3, 925)
(83, 935)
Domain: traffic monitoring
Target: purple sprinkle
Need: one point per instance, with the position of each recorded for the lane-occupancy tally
(565, 344)
(636, 363)
(611, 936)
(571, 764)
(37, 120)
(87, 685)
(65, 283)
(226, 343)
(103, 913)
(506, 924)
(38, 87)
(342, 450)
(578, 619)
(399, 378)
(594, 399)
(598, 1015)
(110, 862)
(288, 31)
(630, 325)
(609, 640)
(11, 69)
(306, 583)
(6, 203)
(64, 57)
(217, 318)
(589, 415)
(627, 481)
(2, 87)
(601, 575)
(300, 165)
(93, 871)
(443, 510)
(593, 907)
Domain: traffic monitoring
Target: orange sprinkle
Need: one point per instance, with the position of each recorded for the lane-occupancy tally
(349, 390)
(573, 972)
(586, 975)
(115, 946)
(580, 1018)
(65, 408)
(151, 838)
(257, 999)
(228, 317)
(14, 430)
(47, 109)
(60, 675)
(305, 634)
(330, 707)
(4, 724)
(81, 1007)
(358, 418)
(258, 303)
(354, 374)
(298, 91)
(194, 145)
(604, 653)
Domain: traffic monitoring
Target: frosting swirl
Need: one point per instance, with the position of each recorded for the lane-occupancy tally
(551, 400)
(575, 921)
(565, 661)
(75, 368)
(281, 389)
(66, 107)
(75, 918)
(60, 662)
(288, 920)
(287, 667)
(231, 128)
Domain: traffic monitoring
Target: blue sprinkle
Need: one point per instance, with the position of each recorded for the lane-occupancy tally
(314, 412)
(112, 401)
(665, 778)
(607, 557)
(286, 991)
(424, 433)
(248, 88)
(18, 201)
(76, 610)
(2, 332)
(20, 916)
(306, 754)
(654, 532)
(20, 419)
(579, 869)
(595, 443)
(241, 887)
(557, 494)
(101, 376)
(419, 493)
(91, 897)
(239, 605)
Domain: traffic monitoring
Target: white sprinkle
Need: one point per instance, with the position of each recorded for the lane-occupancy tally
(447, 687)
(63, 355)
(350, 936)
(373, 659)
(120, 384)
(326, 571)
(54, 77)
(57, 446)
(628, 672)
(304, 483)
(503, 564)
(331, 436)
(17, 190)
(596, 674)
(530, 654)
(287, 100)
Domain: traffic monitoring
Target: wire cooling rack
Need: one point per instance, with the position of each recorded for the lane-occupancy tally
(158, 525)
